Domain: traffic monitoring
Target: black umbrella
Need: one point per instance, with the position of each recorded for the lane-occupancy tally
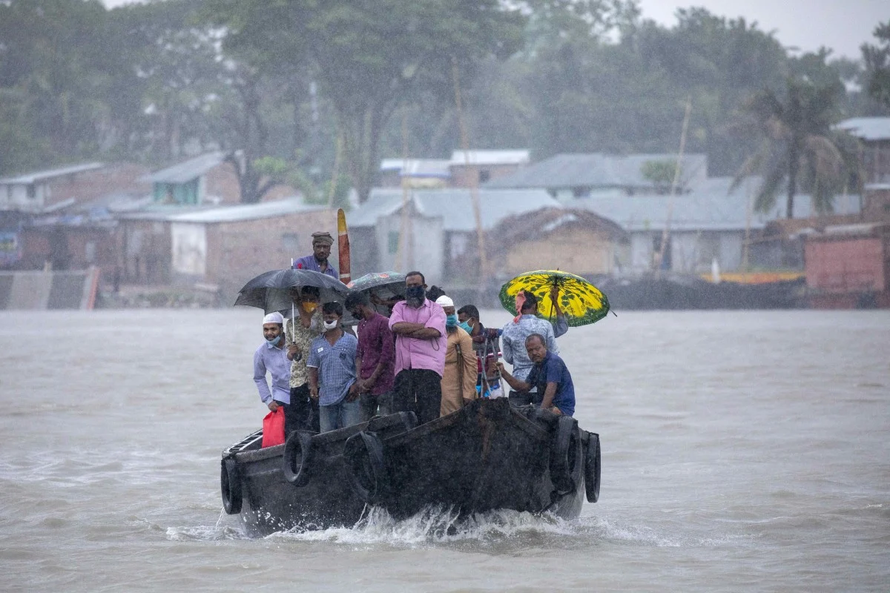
(271, 291)
(381, 287)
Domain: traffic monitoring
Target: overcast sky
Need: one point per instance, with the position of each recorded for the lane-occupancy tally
(841, 25)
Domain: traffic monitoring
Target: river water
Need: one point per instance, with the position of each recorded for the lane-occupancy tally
(742, 451)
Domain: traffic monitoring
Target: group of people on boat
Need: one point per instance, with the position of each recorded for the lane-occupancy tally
(427, 356)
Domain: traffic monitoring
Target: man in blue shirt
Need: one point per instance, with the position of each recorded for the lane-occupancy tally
(513, 338)
(332, 379)
(549, 374)
(321, 251)
(271, 357)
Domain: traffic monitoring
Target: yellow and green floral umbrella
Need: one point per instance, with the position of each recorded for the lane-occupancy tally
(580, 301)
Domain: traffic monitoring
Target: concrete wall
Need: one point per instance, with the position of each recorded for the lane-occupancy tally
(423, 249)
(690, 251)
(466, 176)
(577, 250)
(877, 204)
(844, 265)
(48, 290)
(238, 251)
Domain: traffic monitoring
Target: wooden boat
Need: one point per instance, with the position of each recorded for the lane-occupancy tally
(486, 456)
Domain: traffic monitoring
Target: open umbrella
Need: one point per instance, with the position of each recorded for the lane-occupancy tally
(270, 291)
(581, 302)
(381, 286)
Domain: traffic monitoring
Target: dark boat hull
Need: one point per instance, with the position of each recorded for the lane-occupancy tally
(484, 457)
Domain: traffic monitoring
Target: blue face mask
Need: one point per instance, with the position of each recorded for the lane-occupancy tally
(467, 327)
(275, 342)
(451, 321)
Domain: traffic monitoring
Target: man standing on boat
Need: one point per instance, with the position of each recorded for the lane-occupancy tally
(321, 251)
(486, 346)
(419, 326)
(550, 377)
(299, 333)
(271, 357)
(513, 339)
(459, 378)
(374, 358)
(332, 378)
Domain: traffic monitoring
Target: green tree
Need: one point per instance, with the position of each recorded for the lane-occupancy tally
(798, 150)
(371, 57)
(877, 64)
(50, 61)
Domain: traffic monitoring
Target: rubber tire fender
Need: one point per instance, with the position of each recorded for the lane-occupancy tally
(296, 463)
(365, 467)
(230, 484)
(592, 468)
(566, 455)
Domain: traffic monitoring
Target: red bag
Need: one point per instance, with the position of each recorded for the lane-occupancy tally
(273, 428)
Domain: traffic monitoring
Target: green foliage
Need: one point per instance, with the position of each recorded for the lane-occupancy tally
(877, 64)
(277, 83)
(799, 149)
(661, 173)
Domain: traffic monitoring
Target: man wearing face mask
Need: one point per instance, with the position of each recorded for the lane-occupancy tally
(299, 333)
(419, 325)
(271, 357)
(485, 343)
(332, 379)
(459, 378)
(321, 251)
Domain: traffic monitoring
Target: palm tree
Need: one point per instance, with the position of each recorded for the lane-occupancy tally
(799, 148)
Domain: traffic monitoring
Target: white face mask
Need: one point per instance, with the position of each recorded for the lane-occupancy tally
(330, 324)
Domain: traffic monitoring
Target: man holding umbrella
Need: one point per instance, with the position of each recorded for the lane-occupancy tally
(305, 325)
(321, 251)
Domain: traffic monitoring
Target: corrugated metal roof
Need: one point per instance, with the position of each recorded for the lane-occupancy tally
(219, 214)
(459, 158)
(594, 170)
(867, 128)
(710, 207)
(29, 178)
(418, 167)
(454, 206)
(188, 170)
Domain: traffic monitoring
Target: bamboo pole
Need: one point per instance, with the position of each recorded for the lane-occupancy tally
(665, 235)
(474, 179)
(405, 221)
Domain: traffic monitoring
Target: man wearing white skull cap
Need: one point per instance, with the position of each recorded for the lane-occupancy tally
(271, 357)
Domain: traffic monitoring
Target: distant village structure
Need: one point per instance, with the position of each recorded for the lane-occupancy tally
(593, 214)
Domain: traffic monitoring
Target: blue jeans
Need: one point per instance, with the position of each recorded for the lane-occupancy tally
(340, 415)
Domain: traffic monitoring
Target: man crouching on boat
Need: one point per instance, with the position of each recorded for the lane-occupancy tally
(272, 357)
(549, 374)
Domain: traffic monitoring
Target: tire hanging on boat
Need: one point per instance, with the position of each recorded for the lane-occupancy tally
(230, 484)
(592, 468)
(365, 467)
(566, 455)
(297, 458)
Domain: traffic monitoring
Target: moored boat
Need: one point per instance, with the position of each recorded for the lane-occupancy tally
(486, 456)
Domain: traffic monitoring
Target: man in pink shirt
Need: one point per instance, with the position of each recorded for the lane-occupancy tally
(419, 326)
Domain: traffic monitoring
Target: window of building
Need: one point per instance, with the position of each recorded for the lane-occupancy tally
(393, 243)
(31, 191)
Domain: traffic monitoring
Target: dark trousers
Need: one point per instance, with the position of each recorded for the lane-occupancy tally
(418, 391)
(305, 409)
(291, 416)
(374, 405)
